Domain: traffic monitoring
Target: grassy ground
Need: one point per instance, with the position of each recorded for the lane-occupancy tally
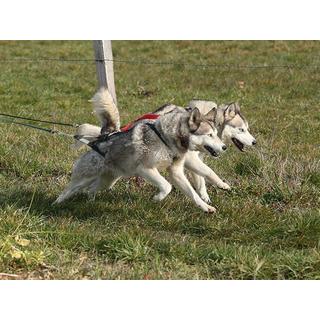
(267, 227)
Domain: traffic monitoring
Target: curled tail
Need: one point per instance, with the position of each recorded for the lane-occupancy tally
(87, 131)
(106, 111)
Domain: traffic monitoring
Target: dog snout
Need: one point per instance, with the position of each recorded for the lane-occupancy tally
(254, 142)
(211, 151)
(224, 147)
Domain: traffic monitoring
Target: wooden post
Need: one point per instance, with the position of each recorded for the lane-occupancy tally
(104, 63)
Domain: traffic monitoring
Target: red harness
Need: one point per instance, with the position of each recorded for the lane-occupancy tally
(148, 116)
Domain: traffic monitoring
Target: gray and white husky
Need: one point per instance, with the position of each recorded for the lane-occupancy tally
(231, 125)
(145, 149)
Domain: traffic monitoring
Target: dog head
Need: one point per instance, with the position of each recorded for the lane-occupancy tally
(234, 126)
(231, 124)
(203, 134)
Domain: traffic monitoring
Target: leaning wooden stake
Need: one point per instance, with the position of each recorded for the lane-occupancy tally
(104, 63)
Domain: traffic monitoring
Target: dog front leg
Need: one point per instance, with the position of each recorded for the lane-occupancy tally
(194, 163)
(199, 184)
(181, 181)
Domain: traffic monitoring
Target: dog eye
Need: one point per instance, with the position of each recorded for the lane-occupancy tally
(241, 129)
(210, 135)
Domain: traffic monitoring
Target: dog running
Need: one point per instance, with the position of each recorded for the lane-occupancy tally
(144, 150)
(173, 138)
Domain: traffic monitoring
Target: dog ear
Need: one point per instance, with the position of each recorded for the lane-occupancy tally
(195, 119)
(237, 106)
(211, 115)
(231, 111)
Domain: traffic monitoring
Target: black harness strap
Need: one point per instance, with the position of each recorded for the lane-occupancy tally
(80, 138)
(93, 145)
(52, 131)
(152, 126)
(38, 120)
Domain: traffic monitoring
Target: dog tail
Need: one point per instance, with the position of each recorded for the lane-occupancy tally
(88, 131)
(106, 111)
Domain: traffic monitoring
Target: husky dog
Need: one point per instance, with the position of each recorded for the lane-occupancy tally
(145, 149)
(232, 128)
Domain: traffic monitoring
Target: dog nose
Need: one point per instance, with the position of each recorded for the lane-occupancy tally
(254, 142)
(224, 147)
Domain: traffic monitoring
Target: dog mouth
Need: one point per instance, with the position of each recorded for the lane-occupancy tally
(211, 151)
(238, 144)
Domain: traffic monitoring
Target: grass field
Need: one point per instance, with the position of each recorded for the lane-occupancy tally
(267, 227)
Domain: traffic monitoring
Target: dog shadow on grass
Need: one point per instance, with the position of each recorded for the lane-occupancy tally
(120, 208)
(80, 206)
(124, 206)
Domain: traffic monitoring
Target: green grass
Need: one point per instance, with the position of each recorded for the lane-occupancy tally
(267, 227)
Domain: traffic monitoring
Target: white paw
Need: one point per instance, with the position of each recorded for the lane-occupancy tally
(206, 208)
(159, 196)
(224, 186)
(205, 198)
(162, 194)
(211, 209)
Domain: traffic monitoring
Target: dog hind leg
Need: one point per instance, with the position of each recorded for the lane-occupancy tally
(106, 181)
(73, 188)
(154, 177)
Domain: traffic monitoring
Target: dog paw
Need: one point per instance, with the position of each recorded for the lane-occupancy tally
(159, 196)
(162, 194)
(211, 209)
(224, 186)
(205, 198)
(207, 208)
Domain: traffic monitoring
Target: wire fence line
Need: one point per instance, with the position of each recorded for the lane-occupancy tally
(168, 63)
